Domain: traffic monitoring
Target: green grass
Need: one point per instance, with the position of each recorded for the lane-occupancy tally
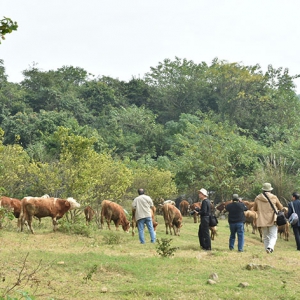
(114, 265)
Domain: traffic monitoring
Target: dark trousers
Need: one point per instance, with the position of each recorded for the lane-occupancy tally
(203, 234)
(296, 230)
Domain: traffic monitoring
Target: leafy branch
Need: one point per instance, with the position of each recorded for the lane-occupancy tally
(7, 25)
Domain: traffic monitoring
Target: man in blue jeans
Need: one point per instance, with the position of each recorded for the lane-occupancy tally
(236, 220)
(142, 205)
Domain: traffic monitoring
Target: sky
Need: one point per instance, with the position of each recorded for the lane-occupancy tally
(125, 38)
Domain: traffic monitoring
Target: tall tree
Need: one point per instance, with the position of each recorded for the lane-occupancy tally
(80, 172)
(14, 163)
(131, 132)
(179, 86)
(215, 156)
(255, 101)
(54, 90)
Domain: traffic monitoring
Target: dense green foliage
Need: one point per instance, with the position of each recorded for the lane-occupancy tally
(224, 126)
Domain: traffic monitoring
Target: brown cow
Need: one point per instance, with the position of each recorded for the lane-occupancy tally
(193, 206)
(89, 214)
(197, 205)
(248, 204)
(11, 204)
(44, 207)
(184, 207)
(134, 223)
(112, 211)
(169, 202)
(285, 230)
(173, 218)
(251, 218)
(220, 209)
(213, 232)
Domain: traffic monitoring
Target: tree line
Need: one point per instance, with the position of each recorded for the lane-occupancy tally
(224, 126)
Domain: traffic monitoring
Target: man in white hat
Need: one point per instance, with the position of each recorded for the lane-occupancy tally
(266, 216)
(204, 212)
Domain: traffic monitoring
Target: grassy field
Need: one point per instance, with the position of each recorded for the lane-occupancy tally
(114, 265)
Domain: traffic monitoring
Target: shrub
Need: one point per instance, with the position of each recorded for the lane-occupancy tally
(78, 227)
(164, 247)
(112, 239)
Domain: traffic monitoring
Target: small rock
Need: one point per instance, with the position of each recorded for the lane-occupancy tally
(104, 290)
(243, 284)
(214, 276)
(210, 281)
(257, 267)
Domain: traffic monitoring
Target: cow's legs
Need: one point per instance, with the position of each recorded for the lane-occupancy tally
(176, 230)
(29, 221)
(167, 225)
(117, 223)
(54, 222)
(133, 225)
(108, 223)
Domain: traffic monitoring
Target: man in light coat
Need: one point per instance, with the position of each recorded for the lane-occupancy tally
(142, 205)
(267, 217)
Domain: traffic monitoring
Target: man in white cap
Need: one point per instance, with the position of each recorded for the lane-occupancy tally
(266, 216)
(204, 212)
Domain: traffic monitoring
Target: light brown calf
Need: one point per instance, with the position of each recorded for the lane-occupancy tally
(173, 218)
(89, 214)
(184, 207)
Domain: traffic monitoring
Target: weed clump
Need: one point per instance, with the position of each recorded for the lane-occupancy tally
(112, 239)
(164, 248)
(90, 273)
(78, 227)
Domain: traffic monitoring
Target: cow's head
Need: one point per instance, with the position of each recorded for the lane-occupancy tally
(73, 203)
(126, 226)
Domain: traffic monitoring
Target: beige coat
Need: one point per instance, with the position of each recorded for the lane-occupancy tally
(266, 214)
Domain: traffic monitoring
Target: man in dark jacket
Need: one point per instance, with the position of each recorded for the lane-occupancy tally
(296, 228)
(204, 212)
(236, 220)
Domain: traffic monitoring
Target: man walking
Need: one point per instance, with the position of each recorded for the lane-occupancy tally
(266, 216)
(236, 220)
(142, 205)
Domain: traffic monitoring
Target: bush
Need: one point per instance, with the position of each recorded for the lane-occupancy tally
(112, 239)
(77, 227)
(164, 248)
(5, 216)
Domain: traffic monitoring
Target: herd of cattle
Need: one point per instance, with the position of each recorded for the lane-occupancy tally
(39, 207)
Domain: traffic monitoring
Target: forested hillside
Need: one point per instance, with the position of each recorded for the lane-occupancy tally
(224, 126)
